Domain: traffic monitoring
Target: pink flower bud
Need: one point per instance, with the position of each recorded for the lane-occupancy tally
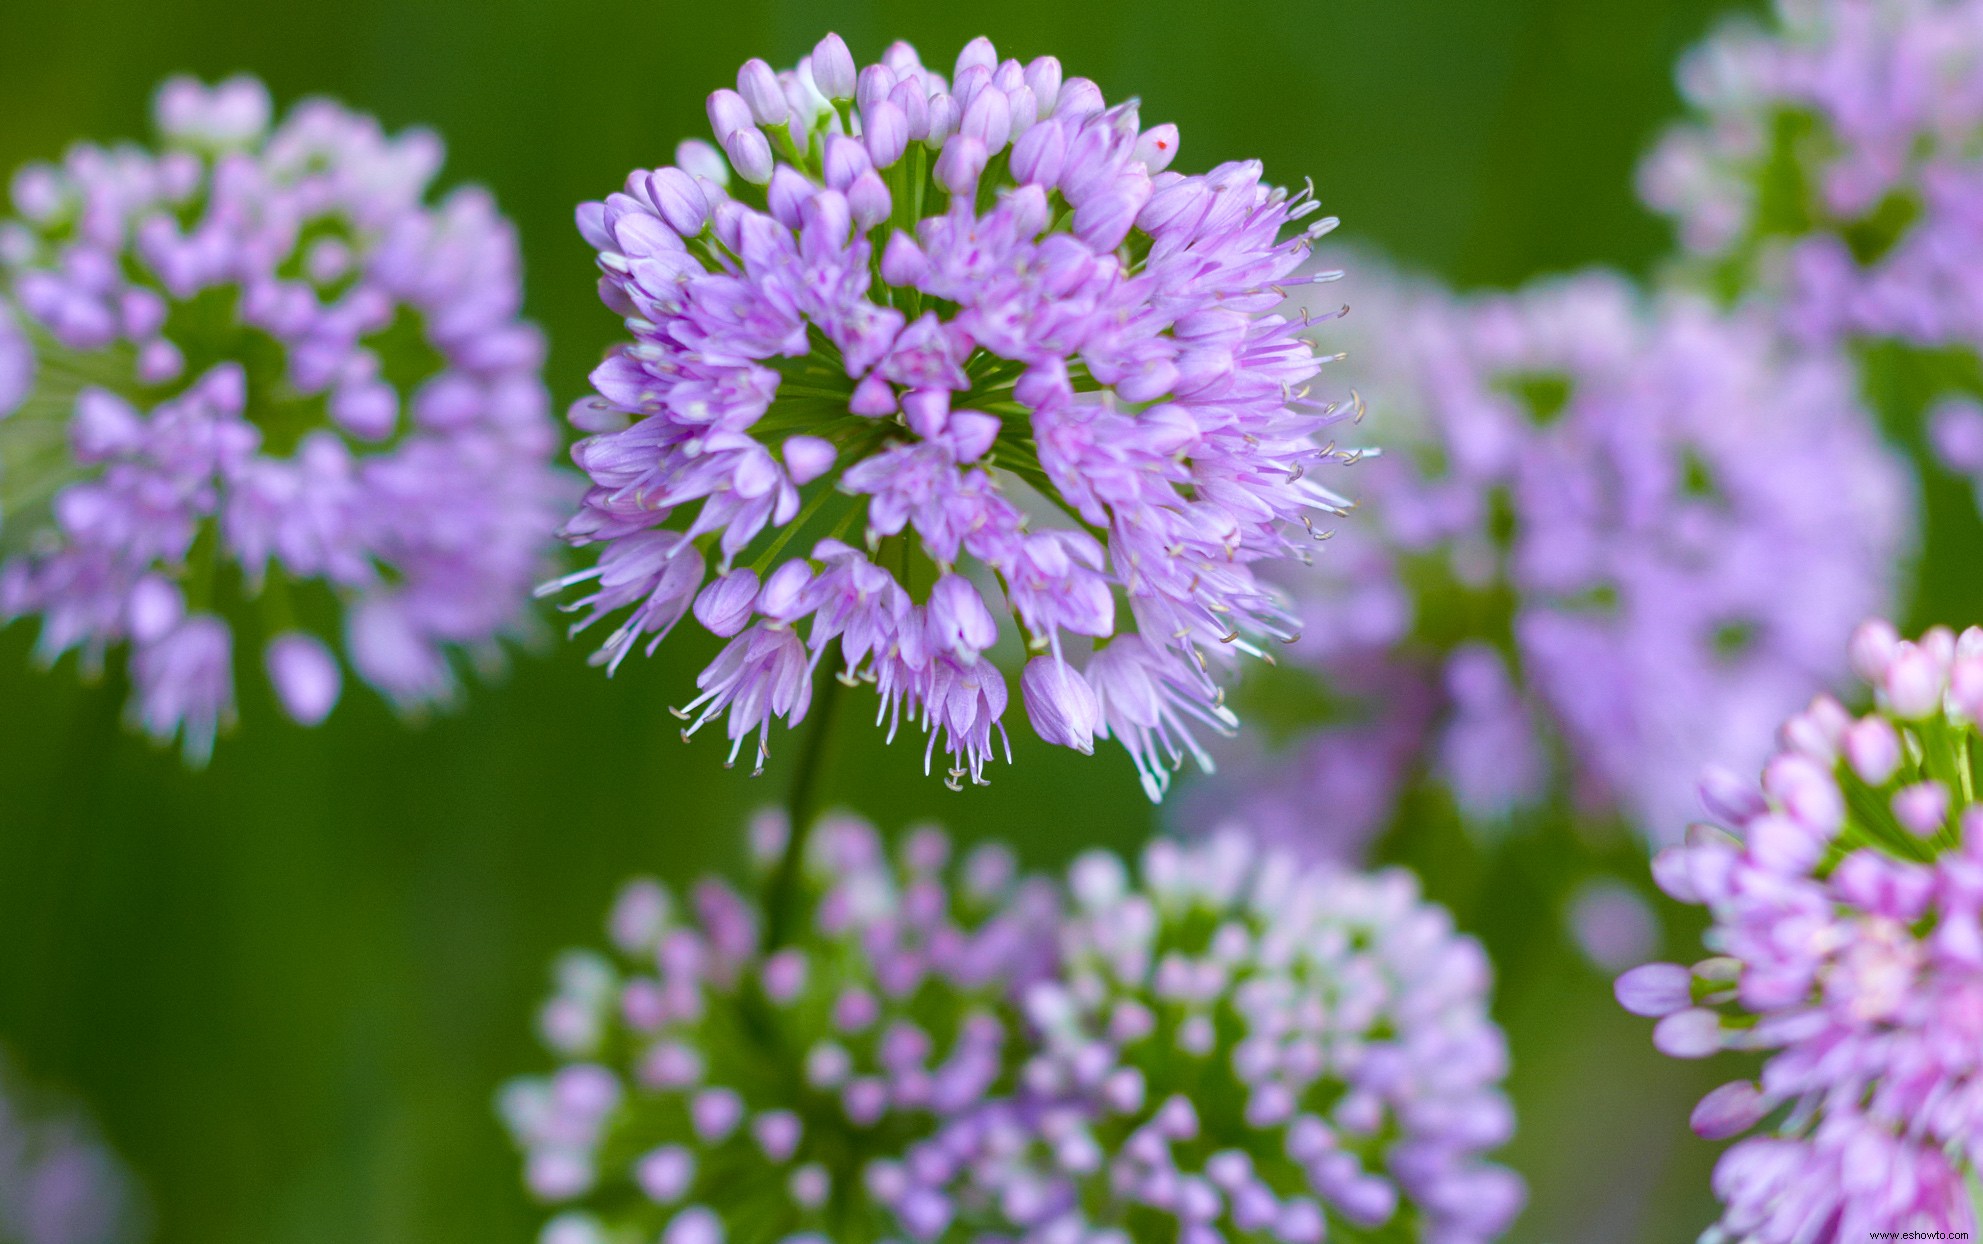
(1922, 808)
(758, 84)
(305, 676)
(926, 411)
(729, 115)
(783, 596)
(869, 201)
(1042, 77)
(958, 619)
(679, 199)
(750, 155)
(1693, 1033)
(1913, 682)
(1871, 647)
(807, 458)
(1872, 748)
(845, 159)
(988, 119)
(885, 130)
(960, 165)
(876, 81)
(1038, 154)
(833, 68)
(1156, 147)
(725, 605)
(699, 159)
(1728, 1111)
(1060, 704)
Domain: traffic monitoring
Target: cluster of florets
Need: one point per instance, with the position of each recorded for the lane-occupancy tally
(1632, 534)
(970, 343)
(723, 1087)
(254, 366)
(59, 1182)
(1837, 158)
(1238, 1047)
(1847, 949)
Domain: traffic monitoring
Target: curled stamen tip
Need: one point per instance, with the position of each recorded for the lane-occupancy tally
(681, 714)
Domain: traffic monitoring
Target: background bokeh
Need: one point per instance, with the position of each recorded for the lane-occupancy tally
(290, 984)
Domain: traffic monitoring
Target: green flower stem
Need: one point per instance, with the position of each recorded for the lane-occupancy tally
(802, 807)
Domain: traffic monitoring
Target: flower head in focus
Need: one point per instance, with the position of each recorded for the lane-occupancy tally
(1239, 1047)
(1617, 537)
(921, 365)
(251, 381)
(716, 1090)
(1846, 950)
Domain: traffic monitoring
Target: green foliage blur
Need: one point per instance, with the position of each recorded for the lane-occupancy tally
(290, 984)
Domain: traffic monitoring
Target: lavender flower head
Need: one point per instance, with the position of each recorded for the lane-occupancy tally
(1847, 950)
(972, 346)
(1837, 157)
(250, 379)
(1628, 533)
(60, 1183)
(1239, 1047)
(714, 1089)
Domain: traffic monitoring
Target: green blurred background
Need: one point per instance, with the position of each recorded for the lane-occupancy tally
(290, 984)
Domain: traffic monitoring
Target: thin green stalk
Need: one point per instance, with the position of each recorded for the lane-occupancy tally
(802, 807)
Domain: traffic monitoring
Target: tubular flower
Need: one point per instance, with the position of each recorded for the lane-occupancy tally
(1239, 1047)
(1847, 951)
(971, 343)
(252, 365)
(1621, 534)
(1835, 156)
(716, 1090)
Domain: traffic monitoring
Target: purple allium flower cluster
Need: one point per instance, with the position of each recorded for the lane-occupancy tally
(59, 1182)
(250, 379)
(719, 1089)
(1240, 1047)
(972, 344)
(1847, 949)
(1622, 532)
(1838, 155)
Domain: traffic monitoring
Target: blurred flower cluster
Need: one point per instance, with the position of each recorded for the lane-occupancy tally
(1229, 1042)
(250, 379)
(1568, 580)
